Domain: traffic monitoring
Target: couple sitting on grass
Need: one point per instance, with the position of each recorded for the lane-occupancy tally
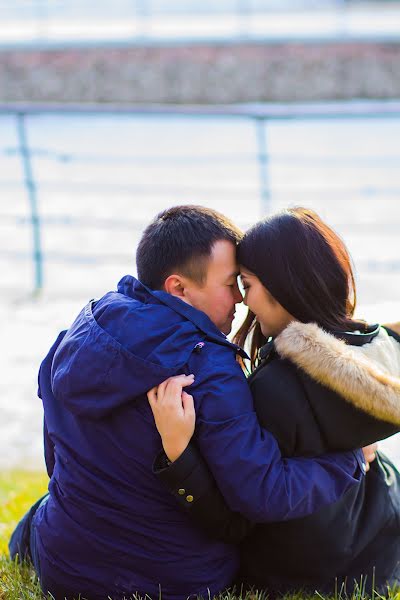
(255, 482)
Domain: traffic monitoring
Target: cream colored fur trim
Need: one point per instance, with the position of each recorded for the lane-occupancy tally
(340, 367)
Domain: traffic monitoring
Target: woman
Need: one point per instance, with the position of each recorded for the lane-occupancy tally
(321, 382)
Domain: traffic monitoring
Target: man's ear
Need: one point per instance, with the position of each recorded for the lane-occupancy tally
(175, 285)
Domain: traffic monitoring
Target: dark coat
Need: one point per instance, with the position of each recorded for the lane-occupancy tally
(109, 527)
(359, 535)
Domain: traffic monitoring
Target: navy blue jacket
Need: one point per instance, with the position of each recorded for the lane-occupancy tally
(109, 526)
(357, 538)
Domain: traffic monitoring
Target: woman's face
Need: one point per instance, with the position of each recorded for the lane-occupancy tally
(271, 315)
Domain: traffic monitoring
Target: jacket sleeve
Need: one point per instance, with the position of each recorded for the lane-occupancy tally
(48, 444)
(48, 450)
(245, 459)
(191, 482)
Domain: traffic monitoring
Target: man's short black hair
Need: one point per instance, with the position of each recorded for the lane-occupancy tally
(180, 239)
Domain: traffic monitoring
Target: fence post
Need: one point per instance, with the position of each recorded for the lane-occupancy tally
(262, 156)
(32, 196)
(143, 12)
(42, 19)
(243, 10)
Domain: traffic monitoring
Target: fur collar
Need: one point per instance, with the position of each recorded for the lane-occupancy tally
(361, 375)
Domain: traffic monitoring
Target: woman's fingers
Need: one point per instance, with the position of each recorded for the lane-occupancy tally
(173, 386)
(370, 454)
(152, 396)
(161, 389)
(174, 414)
(188, 406)
(168, 390)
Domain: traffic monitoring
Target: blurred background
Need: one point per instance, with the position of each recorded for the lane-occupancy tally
(110, 112)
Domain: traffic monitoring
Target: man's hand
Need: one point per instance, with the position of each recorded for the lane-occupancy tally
(174, 414)
(370, 454)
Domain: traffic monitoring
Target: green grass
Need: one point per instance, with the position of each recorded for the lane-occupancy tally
(20, 489)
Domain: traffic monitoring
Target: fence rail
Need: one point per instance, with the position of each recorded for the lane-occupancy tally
(55, 21)
(259, 116)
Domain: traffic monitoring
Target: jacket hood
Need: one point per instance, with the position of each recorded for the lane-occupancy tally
(124, 344)
(362, 368)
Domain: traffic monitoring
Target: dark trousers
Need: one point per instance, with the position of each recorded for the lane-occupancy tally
(23, 539)
(23, 543)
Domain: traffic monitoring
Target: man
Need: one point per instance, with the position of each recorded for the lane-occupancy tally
(107, 527)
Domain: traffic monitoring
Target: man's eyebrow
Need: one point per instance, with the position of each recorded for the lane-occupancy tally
(235, 275)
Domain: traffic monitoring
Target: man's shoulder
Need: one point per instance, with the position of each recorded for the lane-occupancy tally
(161, 334)
(141, 319)
(220, 385)
(116, 305)
(216, 353)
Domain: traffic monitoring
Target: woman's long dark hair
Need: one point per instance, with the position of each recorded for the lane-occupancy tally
(306, 267)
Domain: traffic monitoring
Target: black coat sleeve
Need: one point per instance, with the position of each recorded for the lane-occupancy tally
(189, 476)
(191, 482)
(281, 408)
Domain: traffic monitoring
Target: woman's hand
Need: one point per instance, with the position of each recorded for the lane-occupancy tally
(174, 414)
(369, 454)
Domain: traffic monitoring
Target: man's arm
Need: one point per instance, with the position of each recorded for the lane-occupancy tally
(48, 445)
(44, 385)
(48, 450)
(245, 459)
(189, 479)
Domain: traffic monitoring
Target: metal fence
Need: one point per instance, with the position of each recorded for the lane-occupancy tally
(259, 118)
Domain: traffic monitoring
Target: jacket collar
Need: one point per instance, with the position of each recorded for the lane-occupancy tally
(350, 337)
(130, 286)
(358, 338)
(366, 377)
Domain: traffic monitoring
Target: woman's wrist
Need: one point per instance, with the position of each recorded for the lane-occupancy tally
(173, 450)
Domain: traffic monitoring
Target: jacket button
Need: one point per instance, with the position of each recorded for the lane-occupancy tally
(189, 498)
(181, 491)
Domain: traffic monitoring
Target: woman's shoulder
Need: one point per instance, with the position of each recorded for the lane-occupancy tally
(277, 372)
(354, 390)
(281, 403)
(366, 375)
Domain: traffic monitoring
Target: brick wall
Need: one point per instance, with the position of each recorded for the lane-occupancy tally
(221, 73)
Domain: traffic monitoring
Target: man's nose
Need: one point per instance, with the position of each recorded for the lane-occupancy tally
(237, 294)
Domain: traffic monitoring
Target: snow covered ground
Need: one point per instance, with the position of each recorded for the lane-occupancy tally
(101, 178)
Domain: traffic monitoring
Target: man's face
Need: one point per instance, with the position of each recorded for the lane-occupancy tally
(219, 293)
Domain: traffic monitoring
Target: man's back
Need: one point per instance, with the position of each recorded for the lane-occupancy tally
(109, 527)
